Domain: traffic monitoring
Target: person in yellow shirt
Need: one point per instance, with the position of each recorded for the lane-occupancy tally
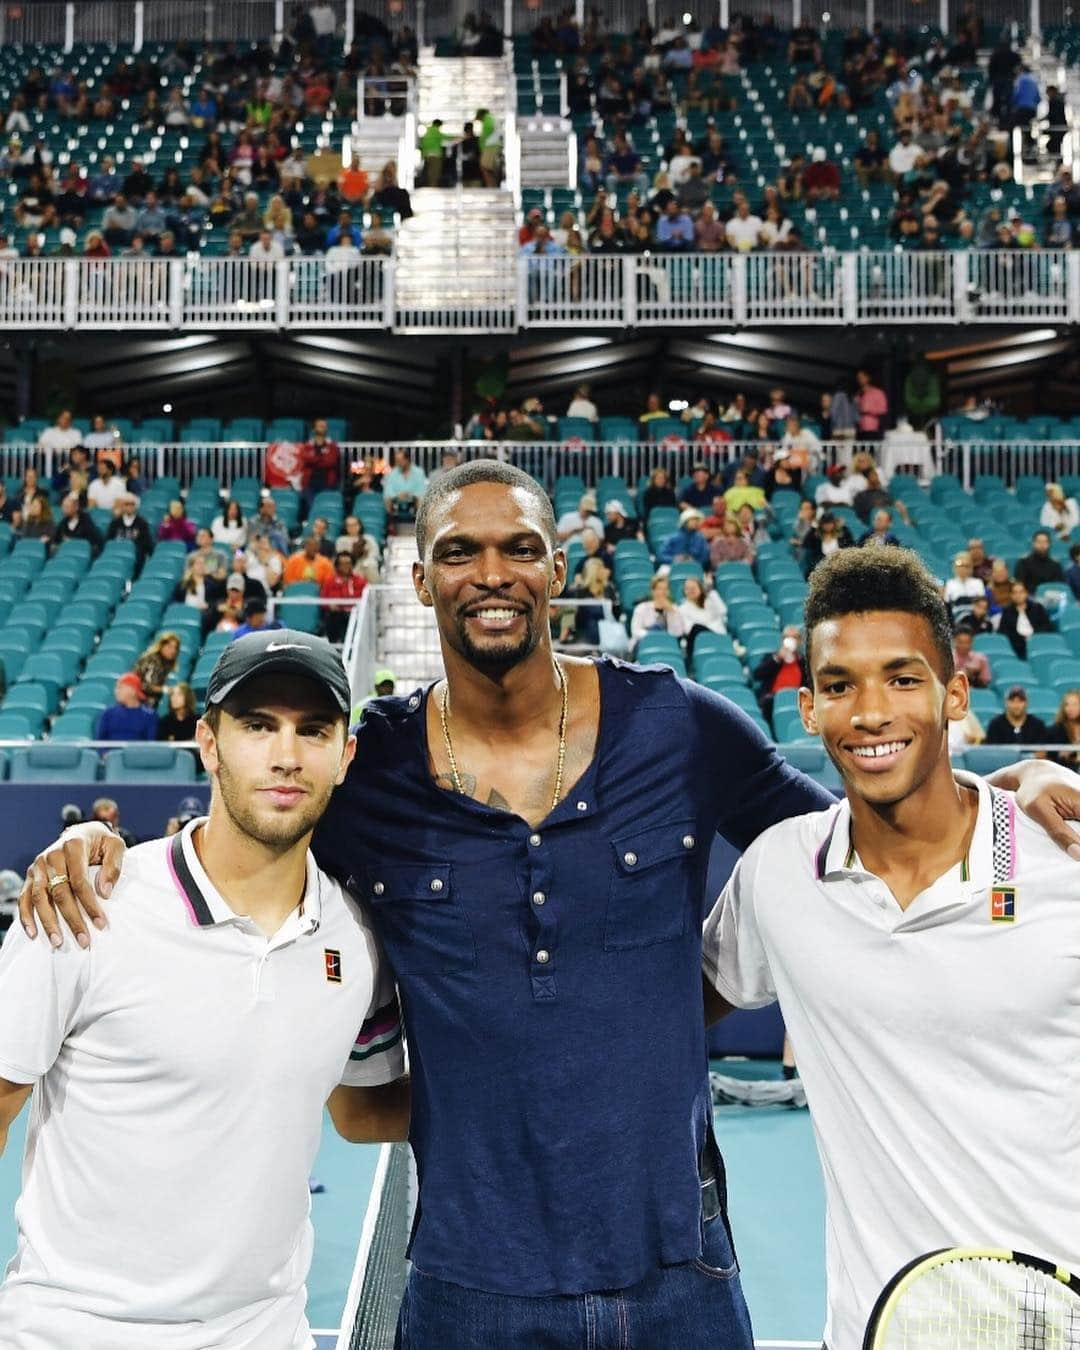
(307, 564)
(742, 493)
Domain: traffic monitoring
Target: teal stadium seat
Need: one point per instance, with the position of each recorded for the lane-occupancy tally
(144, 763)
(74, 725)
(16, 726)
(54, 764)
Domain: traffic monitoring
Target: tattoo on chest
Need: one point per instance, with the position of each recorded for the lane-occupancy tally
(494, 798)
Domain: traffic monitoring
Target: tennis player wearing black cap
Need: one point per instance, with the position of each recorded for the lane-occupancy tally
(181, 1067)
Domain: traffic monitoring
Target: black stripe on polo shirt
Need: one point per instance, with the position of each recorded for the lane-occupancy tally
(823, 851)
(195, 898)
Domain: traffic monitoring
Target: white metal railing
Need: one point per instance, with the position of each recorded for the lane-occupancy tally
(548, 459)
(386, 95)
(544, 290)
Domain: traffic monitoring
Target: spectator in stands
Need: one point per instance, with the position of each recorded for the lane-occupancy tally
(404, 486)
(979, 620)
(675, 230)
(228, 527)
(783, 669)
(872, 406)
(828, 536)
(802, 444)
(999, 587)
(307, 564)
(322, 457)
(75, 523)
(388, 197)
(1016, 726)
(836, 489)
(178, 724)
(319, 527)
(654, 408)
(364, 548)
(265, 563)
(345, 228)
(128, 524)
(231, 609)
(699, 492)
(1022, 617)
(592, 584)
(255, 620)
(103, 441)
(880, 534)
(343, 584)
(38, 521)
(962, 588)
(821, 181)
(107, 488)
(623, 167)
(975, 665)
(1065, 728)
(687, 543)
(1072, 572)
(618, 525)
(743, 229)
(1058, 231)
(980, 563)
(215, 559)
(710, 233)
(732, 545)
(743, 492)
(62, 437)
(155, 666)
(105, 809)
(177, 526)
(1060, 514)
(701, 610)
(129, 719)
(805, 521)
(119, 222)
(581, 405)
(571, 524)
(151, 220)
(870, 161)
(659, 491)
(1038, 566)
(874, 496)
(201, 591)
(266, 523)
(658, 614)
(266, 248)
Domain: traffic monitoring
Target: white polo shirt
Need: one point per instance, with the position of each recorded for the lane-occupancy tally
(939, 1045)
(181, 1066)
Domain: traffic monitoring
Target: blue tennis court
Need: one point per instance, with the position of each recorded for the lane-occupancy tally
(775, 1196)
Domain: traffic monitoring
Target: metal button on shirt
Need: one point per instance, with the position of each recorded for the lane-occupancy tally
(520, 1065)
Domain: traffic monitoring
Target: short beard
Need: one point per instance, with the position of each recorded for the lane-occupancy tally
(496, 660)
(280, 836)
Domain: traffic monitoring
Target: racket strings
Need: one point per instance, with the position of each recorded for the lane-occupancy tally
(984, 1304)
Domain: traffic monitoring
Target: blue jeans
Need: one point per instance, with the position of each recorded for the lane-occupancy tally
(687, 1307)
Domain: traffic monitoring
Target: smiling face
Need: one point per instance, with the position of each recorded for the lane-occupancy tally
(488, 571)
(881, 702)
(278, 750)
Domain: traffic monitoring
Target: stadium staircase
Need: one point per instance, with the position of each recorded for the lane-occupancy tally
(408, 639)
(458, 250)
(547, 158)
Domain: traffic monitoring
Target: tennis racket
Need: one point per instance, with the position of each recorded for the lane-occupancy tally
(971, 1298)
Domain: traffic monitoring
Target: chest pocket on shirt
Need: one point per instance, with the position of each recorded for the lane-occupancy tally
(648, 901)
(424, 929)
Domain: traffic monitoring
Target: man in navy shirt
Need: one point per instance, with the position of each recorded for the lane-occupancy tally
(129, 719)
(532, 837)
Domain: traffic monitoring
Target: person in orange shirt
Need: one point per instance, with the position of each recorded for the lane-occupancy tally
(307, 564)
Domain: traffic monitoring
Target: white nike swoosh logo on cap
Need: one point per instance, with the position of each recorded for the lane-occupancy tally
(287, 646)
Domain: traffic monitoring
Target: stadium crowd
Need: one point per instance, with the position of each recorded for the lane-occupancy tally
(660, 170)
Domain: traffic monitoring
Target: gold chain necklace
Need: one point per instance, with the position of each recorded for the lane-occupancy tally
(455, 774)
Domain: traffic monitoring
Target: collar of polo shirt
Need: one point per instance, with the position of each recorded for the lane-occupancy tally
(991, 858)
(201, 898)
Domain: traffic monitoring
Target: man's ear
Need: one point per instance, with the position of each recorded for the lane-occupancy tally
(423, 591)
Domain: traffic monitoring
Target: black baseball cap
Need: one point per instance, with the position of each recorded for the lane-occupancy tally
(280, 651)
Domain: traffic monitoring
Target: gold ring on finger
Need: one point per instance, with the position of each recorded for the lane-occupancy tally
(58, 880)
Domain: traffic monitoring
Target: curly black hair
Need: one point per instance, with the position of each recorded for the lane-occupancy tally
(862, 580)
